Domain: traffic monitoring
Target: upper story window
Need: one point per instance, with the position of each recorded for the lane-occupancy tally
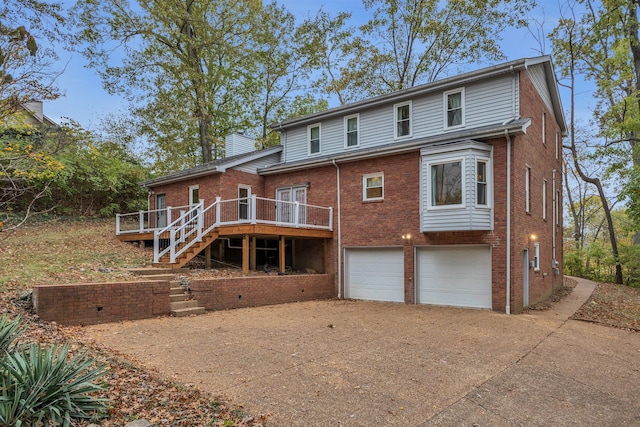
(454, 108)
(373, 186)
(402, 119)
(446, 183)
(482, 188)
(313, 132)
(352, 131)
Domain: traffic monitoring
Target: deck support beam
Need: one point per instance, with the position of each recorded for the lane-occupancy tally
(252, 255)
(245, 254)
(281, 255)
(325, 261)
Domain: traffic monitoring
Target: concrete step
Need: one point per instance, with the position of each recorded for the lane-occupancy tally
(179, 297)
(159, 276)
(192, 311)
(184, 304)
(176, 290)
(146, 271)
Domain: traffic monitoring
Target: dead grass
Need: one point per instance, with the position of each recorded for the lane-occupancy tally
(58, 252)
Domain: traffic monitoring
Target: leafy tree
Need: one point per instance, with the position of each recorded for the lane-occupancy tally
(28, 30)
(184, 64)
(409, 42)
(27, 168)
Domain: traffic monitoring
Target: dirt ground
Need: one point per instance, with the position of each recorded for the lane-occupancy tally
(364, 363)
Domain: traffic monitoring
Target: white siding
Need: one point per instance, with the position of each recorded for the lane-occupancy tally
(539, 80)
(490, 101)
(468, 217)
(253, 166)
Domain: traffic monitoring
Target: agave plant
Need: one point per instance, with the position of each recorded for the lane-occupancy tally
(10, 330)
(44, 385)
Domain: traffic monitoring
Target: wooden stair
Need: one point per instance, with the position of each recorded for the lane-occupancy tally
(189, 254)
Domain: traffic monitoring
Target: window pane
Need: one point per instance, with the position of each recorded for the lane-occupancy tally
(446, 184)
(403, 121)
(352, 124)
(315, 133)
(352, 139)
(454, 109)
(403, 112)
(481, 179)
(315, 146)
(374, 193)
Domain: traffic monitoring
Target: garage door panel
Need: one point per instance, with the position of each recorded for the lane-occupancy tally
(455, 276)
(375, 274)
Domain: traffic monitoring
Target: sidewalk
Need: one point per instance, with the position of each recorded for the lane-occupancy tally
(580, 374)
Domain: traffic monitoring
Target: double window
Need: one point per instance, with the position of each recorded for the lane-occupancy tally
(402, 119)
(373, 186)
(313, 134)
(352, 131)
(454, 108)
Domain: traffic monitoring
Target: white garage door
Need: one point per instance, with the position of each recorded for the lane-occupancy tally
(375, 274)
(458, 276)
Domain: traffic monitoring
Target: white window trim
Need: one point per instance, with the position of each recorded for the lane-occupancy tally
(544, 127)
(316, 125)
(536, 256)
(557, 145)
(364, 186)
(544, 199)
(191, 188)
(446, 110)
(346, 130)
(395, 120)
(489, 179)
(527, 189)
(463, 169)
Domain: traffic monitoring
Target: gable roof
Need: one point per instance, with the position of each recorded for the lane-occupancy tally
(211, 168)
(439, 85)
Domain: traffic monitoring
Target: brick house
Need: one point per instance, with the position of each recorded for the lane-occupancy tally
(448, 193)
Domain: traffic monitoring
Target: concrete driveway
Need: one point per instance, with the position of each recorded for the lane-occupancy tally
(357, 363)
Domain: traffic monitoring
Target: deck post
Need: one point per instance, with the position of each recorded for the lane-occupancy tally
(331, 218)
(245, 254)
(169, 221)
(296, 213)
(325, 261)
(252, 256)
(141, 221)
(117, 224)
(218, 210)
(254, 209)
(281, 255)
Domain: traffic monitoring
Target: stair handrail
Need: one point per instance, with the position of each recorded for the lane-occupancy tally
(171, 229)
(200, 227)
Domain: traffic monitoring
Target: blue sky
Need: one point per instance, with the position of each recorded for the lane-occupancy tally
(86, 102)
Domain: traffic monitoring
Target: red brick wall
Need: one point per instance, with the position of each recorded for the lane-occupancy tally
(240, 292)
(177, 193)
(230, 180)
(86, 304)
(528, 150)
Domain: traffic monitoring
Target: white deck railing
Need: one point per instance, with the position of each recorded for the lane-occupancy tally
(193, 222)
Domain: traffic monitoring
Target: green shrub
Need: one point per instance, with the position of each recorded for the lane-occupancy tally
(10, 330)
(44, 385)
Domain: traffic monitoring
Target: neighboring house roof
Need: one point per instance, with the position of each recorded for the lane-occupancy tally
(215, 167)
(34, 109)
(440, 85)
(514, 127)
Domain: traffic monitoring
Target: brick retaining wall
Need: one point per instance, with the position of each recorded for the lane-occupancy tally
(239, 292)
(92, 303)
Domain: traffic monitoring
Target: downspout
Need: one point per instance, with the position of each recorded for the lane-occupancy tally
(553, 216)
(508, 285)
(339, 231)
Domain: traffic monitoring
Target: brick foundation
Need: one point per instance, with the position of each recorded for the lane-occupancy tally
(88, 304)
(240, 292)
